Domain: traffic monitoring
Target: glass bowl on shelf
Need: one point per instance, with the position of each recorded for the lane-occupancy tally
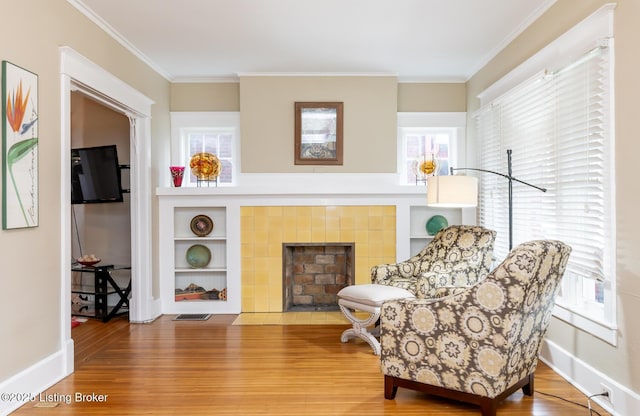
(205, 166)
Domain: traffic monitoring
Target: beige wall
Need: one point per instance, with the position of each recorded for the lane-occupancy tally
(30, 36)
(266, 105)
(619, 362)
(267, 121)
(436, 97)
(412, 97)
(205, 96)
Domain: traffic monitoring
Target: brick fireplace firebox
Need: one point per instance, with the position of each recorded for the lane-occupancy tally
(313, 274)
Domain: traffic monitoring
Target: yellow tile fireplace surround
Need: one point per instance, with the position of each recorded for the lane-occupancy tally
(264, 229)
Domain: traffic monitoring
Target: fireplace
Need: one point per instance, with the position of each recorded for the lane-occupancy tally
(264, 230)
(313, 274)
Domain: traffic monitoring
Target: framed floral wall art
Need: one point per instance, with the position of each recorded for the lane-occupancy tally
(19, 147)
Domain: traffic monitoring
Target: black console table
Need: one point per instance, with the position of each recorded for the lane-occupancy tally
(100, 287)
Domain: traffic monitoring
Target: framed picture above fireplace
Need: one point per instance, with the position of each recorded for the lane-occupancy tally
(318, 133)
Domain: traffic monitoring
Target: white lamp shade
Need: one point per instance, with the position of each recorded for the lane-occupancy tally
(453, 191)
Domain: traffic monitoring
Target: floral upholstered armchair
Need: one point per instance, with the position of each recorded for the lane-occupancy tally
(480, 345)
(458, 256)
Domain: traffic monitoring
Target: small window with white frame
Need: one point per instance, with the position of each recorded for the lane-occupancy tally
(425, 140)
(217, 133)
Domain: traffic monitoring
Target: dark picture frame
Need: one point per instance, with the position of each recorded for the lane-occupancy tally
(318, 133)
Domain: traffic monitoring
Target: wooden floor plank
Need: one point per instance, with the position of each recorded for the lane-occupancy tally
(215, 368)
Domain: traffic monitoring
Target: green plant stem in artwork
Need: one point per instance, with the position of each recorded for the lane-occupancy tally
(16, 153)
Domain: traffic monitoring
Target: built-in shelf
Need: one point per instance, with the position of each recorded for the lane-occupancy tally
(178, 205)
(186, 288)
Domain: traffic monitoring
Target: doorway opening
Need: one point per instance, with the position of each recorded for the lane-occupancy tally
(81, 75)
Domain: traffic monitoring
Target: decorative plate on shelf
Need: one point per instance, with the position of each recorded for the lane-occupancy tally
(198, 256)
(435, 224)
(201, 225)
(205, 166)
(423, 168)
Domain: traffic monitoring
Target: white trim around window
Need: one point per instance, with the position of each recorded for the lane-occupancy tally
(214, 120)
(446, 120)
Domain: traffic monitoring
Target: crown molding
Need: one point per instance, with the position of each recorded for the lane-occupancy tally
(102, 24)
(317, 74)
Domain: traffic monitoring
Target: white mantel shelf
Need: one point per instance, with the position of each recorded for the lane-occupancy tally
(305, 185)
(276, 191)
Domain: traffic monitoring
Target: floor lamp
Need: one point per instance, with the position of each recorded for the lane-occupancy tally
(456, 191)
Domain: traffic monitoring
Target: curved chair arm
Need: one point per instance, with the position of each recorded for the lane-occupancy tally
(384, 273)
(437, 284)
(445, 291)
(428, 284)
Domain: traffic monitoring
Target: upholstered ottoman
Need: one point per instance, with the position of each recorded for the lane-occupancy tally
(366, 298)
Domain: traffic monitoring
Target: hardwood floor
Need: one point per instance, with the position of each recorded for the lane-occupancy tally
(214, 368)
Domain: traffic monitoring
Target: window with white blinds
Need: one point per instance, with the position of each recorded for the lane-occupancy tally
(557, 124)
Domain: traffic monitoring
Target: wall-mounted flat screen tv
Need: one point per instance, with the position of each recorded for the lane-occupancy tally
(95, 175)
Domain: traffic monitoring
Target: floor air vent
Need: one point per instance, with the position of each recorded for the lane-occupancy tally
(192, 317)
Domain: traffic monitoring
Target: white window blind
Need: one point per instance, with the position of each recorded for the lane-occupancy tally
(557, 124)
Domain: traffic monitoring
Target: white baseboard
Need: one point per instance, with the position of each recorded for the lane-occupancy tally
(588, 380)
(37, 378)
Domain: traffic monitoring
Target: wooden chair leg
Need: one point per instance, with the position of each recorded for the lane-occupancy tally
(489, 407)
(390, 389)
(527, 389)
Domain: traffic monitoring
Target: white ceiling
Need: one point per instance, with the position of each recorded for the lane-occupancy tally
(216, 40)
